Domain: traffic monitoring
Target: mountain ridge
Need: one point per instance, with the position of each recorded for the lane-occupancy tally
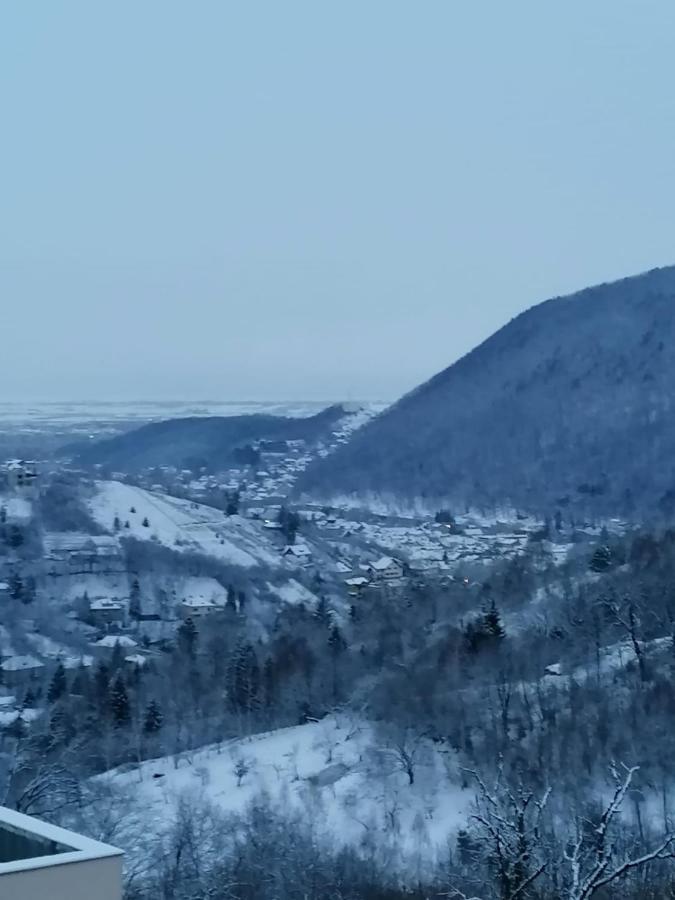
(538, 389)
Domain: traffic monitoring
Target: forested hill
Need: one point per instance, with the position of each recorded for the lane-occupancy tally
(569, 405)
(208, 441)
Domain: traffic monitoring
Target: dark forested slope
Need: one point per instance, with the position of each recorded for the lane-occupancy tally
(569, 405)
(208, 441)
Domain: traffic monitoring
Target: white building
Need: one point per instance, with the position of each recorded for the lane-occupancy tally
(22, 475)
(196, 607)
(19, 670)
(43, 862)
(386, 569)
(106, 612)
(356, 585)
(298, 551)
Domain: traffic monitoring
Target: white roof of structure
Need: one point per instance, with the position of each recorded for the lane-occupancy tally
(136, 659)
(56, 543)
(75, 848)
(113, 640)
(21, 663)
(383, 563)
(98, 605)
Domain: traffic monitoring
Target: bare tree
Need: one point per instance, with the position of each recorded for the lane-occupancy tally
(592, 857)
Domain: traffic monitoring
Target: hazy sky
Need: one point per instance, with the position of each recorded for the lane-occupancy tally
(312, 199)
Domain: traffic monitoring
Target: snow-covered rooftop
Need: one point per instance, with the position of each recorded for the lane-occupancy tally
(21, 663)
(114, 640)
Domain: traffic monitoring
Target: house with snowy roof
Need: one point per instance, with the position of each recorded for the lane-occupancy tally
(386, 569)
(104, 612)
(106, 646)
(20, 670)
(196, 607)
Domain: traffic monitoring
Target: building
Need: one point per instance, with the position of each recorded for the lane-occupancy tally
(106, 612)
(72, 553)
(136, 660)
(271, 518)
(196, 607)
(19, 671)
(297, 551)
(356, 585)
(21, 474)
(106, 646)
(386, 569)
(43, 862)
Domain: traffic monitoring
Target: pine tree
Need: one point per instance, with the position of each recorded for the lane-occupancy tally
(336, 642)
(492, 622)
(244, 679)
(231, 604)
(101, 683)
(187, 637)
(601, 559)
(145, 523)
(119, 702)
(322, 612)
(135, 599)
(58, 684)
(16, 537)
(269, 683)
(28, 700)
(16, 587)
(153, 718)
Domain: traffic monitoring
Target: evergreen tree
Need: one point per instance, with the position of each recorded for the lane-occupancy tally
(269, 683)
(16, 587)
(135, 599)
(101, 683)
(322, 612)
(336, 641)
(153, 718)
(28, 593)
(58, 684)
(601, 559)
(244, 679)
(231, 604)
(187, 636)
(16, 537)
(119, 702)
(232, 504)
(492, 622)
(145, 523)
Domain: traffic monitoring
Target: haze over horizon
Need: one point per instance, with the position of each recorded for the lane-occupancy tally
(301, 202)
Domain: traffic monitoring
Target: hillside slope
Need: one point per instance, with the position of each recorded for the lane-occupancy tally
(568, 406)
(200, 441)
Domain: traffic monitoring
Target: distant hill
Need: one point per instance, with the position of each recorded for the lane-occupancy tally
(569, 406)
(213, 442)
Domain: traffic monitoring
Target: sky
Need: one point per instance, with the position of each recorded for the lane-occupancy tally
(308, 200)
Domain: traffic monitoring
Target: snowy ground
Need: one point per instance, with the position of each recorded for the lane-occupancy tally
(338, 771)
(183, 525)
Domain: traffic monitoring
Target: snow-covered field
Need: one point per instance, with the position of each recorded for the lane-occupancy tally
(182, 525)
(338, 771)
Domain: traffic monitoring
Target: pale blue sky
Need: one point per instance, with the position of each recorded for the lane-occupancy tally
(308, 199)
